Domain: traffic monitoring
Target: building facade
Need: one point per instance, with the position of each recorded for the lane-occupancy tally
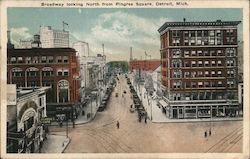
(57, 68)
(51, 38)
(26, 108)
(145, 65)
(199, 69)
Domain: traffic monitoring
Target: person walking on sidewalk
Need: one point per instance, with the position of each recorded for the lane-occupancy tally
(205, 134)
(117, 124)
(210, 133)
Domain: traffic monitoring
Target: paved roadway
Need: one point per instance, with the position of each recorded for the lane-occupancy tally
(102, 136)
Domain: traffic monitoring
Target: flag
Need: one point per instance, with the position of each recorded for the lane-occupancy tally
(65, 23)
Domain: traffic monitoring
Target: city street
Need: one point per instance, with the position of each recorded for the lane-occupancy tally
(102, 135)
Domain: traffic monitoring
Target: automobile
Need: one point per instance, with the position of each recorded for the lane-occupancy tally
(116, 94)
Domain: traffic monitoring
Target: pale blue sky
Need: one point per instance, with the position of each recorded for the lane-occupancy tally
(118, 29)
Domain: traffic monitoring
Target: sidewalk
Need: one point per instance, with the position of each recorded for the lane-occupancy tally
(55, 144)
(82, 119)
(159, 117)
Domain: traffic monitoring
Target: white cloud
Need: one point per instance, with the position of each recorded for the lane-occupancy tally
(18, 34)
(120, 30)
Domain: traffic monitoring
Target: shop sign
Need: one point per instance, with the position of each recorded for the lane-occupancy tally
(46, 120)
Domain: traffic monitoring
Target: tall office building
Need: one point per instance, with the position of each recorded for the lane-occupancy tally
(54, 38)
(199, 69)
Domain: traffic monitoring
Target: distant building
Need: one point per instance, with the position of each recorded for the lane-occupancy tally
(57, 68)
(82, 49)
(9, 44)
(199, 69)
(24, 44)
(145, 65)
(51, 38)
(25, 110)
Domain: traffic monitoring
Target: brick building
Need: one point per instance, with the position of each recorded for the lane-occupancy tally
(54, 67)
(199, 69)
(145, 65)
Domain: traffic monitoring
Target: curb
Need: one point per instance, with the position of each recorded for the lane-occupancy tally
(199, 120)
(66, 145)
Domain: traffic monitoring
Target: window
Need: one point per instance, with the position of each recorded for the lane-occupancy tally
(13, 59)
(199, 33)
(213, 63)
(176, 84)
(200, 84)
(219, 73)
(198, 42)
(200, 74)
(220, 83)
(205, 33)
(207, 73)
(192, 33)
(186, 34)
(218, 33)
(193, 52)
(50, 59)
(176, 33)
(212, 52)
(193, 63)
(193, 74)
(28, 59)
(219, 63)
(230, 62)
(35, 59)
(211, 33)
(219, 41)
(206, 53)
(230, 52)
(59, 72)
(43, 59)
(200, 53)
(230, 84)
(59, 59)
(176, 41)
(206, 63)
(65, 59)
(20, 59)
(176, 53)
(186, 53)
(66, 72)
(207, 84)
(213, 73)
(186, 64)
(219, 52)
(200, 63)
(211, 41)
(193, 84)
(186, 74)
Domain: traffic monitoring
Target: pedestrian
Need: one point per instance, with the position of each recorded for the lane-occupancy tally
(117, 124)
(145, 119)
(210, 133)
(205, 134)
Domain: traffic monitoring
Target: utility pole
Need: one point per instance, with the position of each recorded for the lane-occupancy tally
(103, 49)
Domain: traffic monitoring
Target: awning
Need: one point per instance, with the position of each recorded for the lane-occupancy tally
(163, 103)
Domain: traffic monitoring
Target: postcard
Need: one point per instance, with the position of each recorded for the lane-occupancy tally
(124, 79)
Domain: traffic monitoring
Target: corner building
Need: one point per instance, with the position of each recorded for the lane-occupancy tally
(57, 68)
(199, 69)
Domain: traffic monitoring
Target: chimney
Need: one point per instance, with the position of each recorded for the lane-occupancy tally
(184, 19)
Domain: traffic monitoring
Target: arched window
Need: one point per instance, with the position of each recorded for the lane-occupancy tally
(63, 91)
(17, 72)
(32, 72)
(47, 71)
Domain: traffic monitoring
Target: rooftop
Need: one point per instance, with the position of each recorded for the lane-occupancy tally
(40, 51)
(198, 23)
